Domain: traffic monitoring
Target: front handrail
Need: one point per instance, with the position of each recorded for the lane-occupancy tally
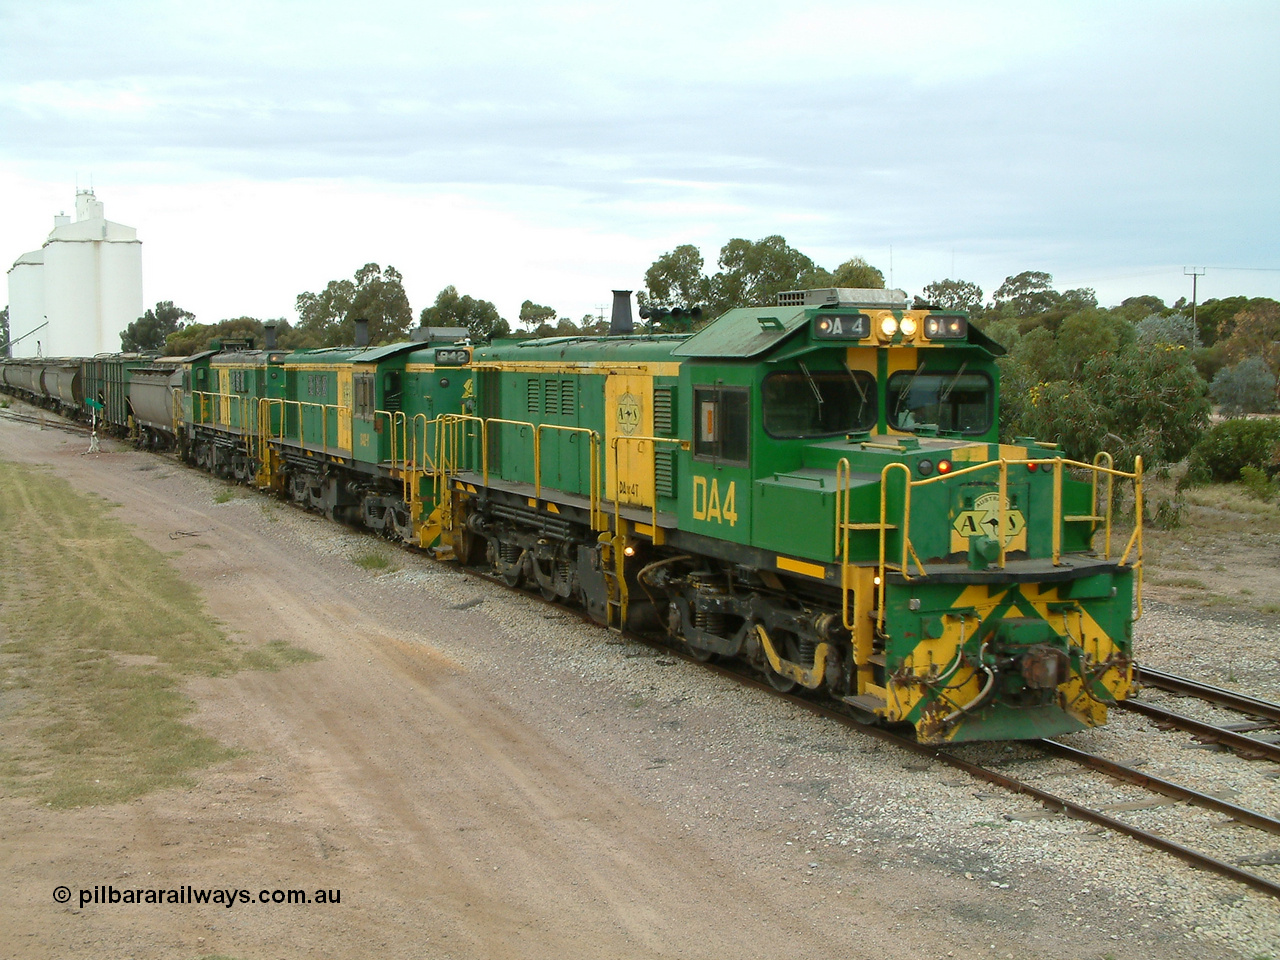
(843, 526)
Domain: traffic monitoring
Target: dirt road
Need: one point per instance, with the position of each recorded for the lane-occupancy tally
(462, 795)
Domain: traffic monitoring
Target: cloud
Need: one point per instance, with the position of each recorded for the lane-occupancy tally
(1023, 134)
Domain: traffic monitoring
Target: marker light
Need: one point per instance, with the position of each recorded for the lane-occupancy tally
(1032, 467)
(946, 328)
(888, 327)
(629, 550)
(908, 326)
(925, 467)
(944, 466)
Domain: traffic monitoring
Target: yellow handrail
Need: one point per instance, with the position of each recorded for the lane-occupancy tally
(843, 497)
(594, 437)
(617, 471)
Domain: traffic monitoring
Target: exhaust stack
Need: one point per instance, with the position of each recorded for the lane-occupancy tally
(362, 333)
(269, 336)
(620, 322)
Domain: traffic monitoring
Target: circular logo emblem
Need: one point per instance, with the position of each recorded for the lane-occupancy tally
(628, 414)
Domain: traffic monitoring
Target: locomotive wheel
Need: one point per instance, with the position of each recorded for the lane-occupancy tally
(778, 681)
(699, 654)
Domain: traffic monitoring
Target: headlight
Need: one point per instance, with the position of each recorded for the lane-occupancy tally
(908, 326)
(888, 327)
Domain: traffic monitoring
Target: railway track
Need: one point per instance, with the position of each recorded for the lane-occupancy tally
(1260, 717)
(1177, 793)
(1164, 788)
(50, 420)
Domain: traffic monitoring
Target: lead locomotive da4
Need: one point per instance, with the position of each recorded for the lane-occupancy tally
(817, 488)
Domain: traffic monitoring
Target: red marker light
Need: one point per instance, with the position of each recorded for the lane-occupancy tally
(1032, 467)
(944, 466)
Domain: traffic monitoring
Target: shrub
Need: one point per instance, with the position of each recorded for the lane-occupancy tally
(1248, 387)
(1257, 483)
(1175, 329)
(1228, 447)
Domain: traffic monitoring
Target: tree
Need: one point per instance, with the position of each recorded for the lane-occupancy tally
(753, 274)
(4, 332)
(1085, 335)
(1028, 293)
(196, 337)
(1157, 405)
(151, 329)
(533, 315)
(1248, 387)
(676, 279)
(480, 317)
(1135, 308)
(1215, 314)
(859, 275)
(328, 318)
(954, 295)
(1137, 402)
(1253, 332)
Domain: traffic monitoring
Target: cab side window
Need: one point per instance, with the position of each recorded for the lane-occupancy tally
(363, 394)
(722, 427)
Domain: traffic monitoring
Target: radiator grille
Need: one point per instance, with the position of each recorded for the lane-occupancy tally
(664, 472)
(664, 409)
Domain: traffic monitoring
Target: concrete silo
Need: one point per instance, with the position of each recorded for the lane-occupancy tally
(86, 282)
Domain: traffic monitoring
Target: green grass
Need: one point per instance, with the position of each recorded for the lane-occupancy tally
(1187, 583)
(375, 559)
(225, 495)
(98, 633)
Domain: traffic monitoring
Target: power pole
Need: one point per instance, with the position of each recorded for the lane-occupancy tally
(1195, 275)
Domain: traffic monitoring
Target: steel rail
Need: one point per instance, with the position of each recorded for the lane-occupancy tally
(1052, 801)
(1159, 785)
(1193, 857)
(70, 426)
(1248, 747)
(1202, 691)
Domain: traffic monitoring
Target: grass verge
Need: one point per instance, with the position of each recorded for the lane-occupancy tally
(98, 634)
(375, 559)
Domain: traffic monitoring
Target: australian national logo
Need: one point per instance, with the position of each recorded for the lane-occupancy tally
(983, 519)
(628, 414)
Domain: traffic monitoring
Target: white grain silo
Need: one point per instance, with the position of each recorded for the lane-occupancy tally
(91, 274)
(26, 303)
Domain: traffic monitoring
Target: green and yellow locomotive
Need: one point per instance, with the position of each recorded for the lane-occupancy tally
(816, 488)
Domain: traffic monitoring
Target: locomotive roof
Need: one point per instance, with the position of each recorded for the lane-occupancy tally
(745, 332)
(623, 349)
(352, 354)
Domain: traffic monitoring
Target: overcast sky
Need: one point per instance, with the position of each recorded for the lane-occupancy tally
(552, 151)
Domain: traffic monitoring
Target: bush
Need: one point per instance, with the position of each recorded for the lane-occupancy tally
(1173, 330)
(1248, 387)
(1228, 447)
(1257, 483)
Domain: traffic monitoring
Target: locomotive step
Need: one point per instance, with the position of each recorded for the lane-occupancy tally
(866, 703)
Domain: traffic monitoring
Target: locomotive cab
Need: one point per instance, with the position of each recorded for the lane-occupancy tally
(877, 540)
